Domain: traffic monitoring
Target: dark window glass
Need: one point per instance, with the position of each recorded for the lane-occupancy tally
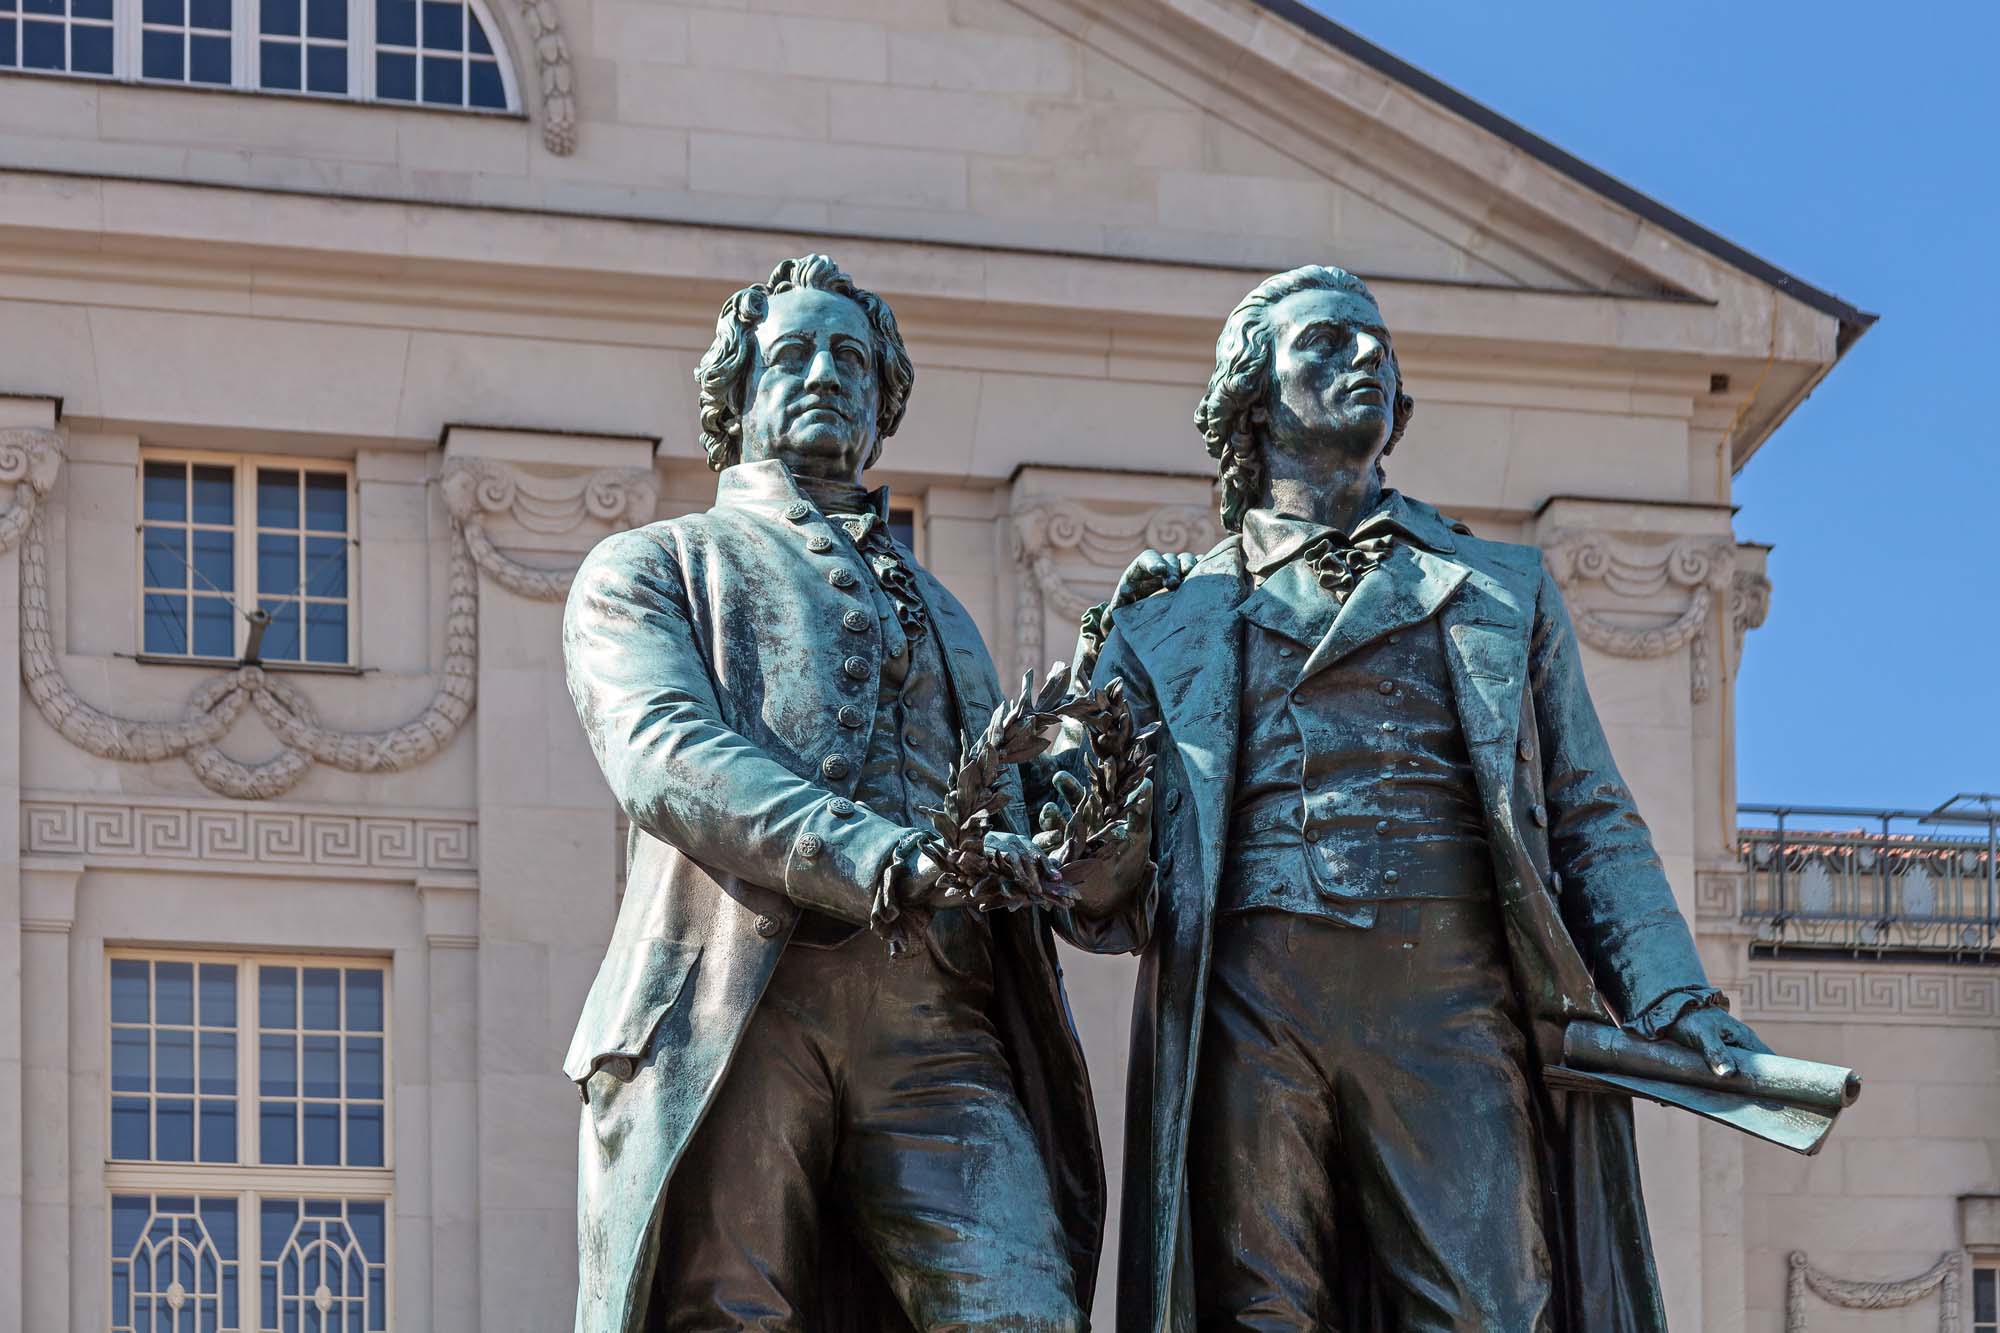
(281, 636)
(277, 1134)
(131, 1061)
(444, 25)
(902, 525)
(278, 1065)
(364, 1001)
(1983, 1296)
(84, 9)
(487, 89)
(214, 561)
(166, 624)
(321, 1009)
(443, 81)
(210, 14)
(130, 1129)
(278, 66)
(173, 992)
(278, 491)
(277, 997)
(218, 995)
(326, 69)
(326, 502)
(42, 6)
(42, 45)
(173, 1130)
(9, 42)
(322, 1124)
(364, 1136)
(278, 18)
(218, 1063)
(327, 18)
(218, 1131)
(326, 566)
(364, 1067)
(214, 628)
(166, 491)
(174, 1052)
(214, 492)
(326, 633)
(277, 564)
(208, 59)
(396, 22)
(172, 13)
(475, 35)
(320, 1070)
(396, 77)
(130, 998)
(165, 560)
(89, 49)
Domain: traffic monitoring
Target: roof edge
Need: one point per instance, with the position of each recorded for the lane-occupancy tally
(1853, 321)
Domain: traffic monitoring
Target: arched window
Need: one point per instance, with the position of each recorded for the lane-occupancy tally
(426, 52)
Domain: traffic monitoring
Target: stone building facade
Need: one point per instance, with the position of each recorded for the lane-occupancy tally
(370, 318)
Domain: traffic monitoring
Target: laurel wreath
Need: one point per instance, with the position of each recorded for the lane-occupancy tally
(1118, 759)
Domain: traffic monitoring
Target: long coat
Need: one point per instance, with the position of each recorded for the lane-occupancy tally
(709, 657)
(1591, 926)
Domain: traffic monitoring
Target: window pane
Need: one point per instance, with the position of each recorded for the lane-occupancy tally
(281, 636)
(166, 624)
(173, 1130)
(277, 997)
(277, 1067)
(129, 990)
(444, 25)
(322, 1134)
(42, 45)
(90, 48)
(214, 562)
(442, 85)
(214, 628)
(396, 77)
(278, 490)
(214, 495)
(326, 69)
(277, 1128)
(326, 632)
(322, 998)
(487, 89)
(326, 500)
(172, 13)
(279, 18)
(475, 33)
(396, 22)
(9, 42)
(278, 572)
(131, 1060)
(328, 19)
(218, 1131)
(173, 1052)
(364, 1000)
(165, 557)
(326, 566)
(364, 1136)
(210, 14)
(278, 65)
(364, 1067)
(1983, 1296)
(166, 491)
(218, 995)
(131, 1138)
(208, 59)
(218, 1063)
(320, 1070)
(173, 992)
(162, 56)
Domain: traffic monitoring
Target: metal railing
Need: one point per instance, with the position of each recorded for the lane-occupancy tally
(1873, 882)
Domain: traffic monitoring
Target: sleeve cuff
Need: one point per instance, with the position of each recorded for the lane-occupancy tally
(1652, 1022)
(886, 908)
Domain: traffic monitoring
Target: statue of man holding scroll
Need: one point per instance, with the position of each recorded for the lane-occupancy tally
(1395, 863)
(785, 1127)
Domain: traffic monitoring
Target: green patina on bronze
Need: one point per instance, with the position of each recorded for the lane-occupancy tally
(784, 1127)
(1395, 863)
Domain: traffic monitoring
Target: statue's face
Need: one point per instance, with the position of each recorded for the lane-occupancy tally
(1332, 385)
(811, 396)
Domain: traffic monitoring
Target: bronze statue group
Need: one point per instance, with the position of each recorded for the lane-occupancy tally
(1383, 860)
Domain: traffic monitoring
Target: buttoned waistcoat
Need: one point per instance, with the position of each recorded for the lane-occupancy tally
(711, 659)
(1591, 926)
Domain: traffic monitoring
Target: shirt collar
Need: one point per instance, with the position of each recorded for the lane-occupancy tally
(1271, 538)
(770, 482)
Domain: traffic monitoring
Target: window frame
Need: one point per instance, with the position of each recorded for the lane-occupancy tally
(246, 34)
(245, 529)
(247, 1180)
(1980, 1260)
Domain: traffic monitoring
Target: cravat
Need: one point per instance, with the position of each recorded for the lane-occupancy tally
(871, 538)
(1339, 563)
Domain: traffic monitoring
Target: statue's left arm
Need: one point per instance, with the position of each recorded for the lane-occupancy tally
(1614, 892)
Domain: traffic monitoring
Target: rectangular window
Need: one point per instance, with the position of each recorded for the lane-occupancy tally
(302, 45)
(221, 536)
(60, 36)
(1986, 1298)
(250, 1184)
(185, 41)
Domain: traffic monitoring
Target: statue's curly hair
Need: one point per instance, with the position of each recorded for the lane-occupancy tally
(1234, 410)
(726, 365)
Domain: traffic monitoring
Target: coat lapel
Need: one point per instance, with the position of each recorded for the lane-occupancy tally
(1407, 590)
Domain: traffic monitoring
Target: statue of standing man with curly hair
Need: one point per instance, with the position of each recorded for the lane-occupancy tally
(1395, 860)
(786, 1127)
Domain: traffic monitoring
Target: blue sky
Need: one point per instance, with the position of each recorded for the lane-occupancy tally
(1858, 148)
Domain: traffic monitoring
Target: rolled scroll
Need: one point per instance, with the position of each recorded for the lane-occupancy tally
(1792, 1103)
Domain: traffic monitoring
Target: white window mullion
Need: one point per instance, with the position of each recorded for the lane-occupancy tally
(243, 44)
(125, 16)
(361, 60)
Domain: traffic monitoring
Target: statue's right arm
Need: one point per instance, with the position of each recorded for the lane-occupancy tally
(642, 688)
